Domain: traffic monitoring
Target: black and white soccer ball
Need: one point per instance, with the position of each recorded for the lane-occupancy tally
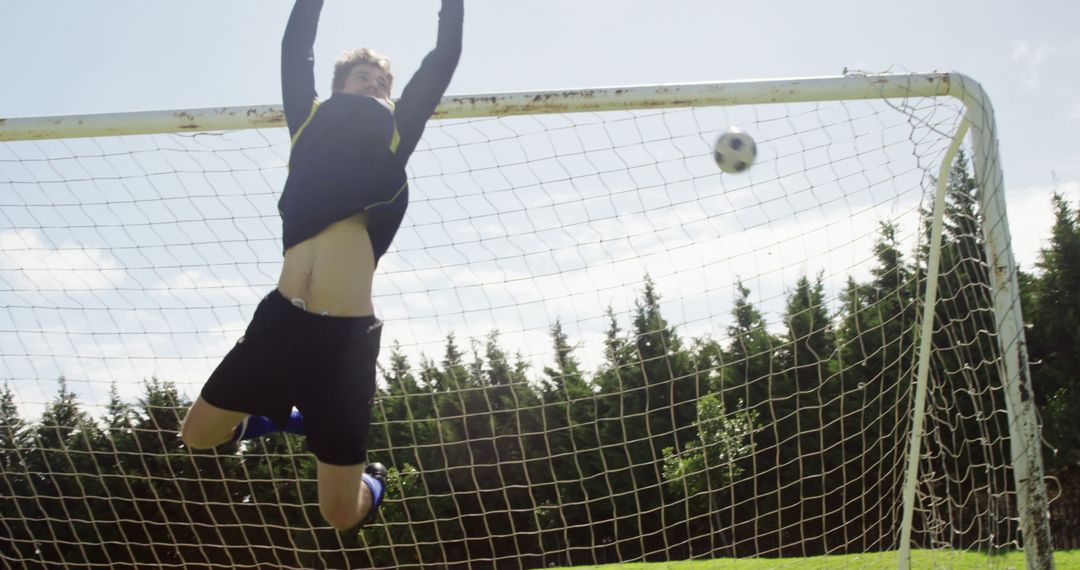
(734, 150)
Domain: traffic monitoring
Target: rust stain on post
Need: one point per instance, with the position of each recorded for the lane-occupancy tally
(1000, 270)
(1025, 393)
(188, 121)
(481, 100)
(567, 96)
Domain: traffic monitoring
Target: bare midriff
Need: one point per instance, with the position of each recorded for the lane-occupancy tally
(332, 272)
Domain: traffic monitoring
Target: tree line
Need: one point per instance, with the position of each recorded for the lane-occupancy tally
(768, 441)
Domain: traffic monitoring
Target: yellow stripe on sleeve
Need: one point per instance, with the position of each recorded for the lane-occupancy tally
(311, 115)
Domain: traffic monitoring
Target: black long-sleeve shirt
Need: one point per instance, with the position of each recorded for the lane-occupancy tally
(349, 152)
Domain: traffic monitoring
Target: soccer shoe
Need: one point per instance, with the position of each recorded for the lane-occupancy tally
(252, 427)
(376, 471)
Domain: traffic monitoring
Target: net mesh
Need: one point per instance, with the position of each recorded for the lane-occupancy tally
(598, 347)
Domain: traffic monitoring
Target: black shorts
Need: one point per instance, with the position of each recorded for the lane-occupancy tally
(322, 365)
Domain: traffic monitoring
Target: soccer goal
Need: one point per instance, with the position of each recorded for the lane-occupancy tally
(599, 347)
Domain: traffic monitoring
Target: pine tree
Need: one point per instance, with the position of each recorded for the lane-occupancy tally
(1054, 338)
(507, 496)
(876, 354)
(16, 487)
(13, 432)
(673, 386)
(404, 434)
(571, 440)
(750, 359)
(809, 416)
(621, 420)
(449, 457)
(963, 434)
(58, 465)
(670, 389)
(752, 379)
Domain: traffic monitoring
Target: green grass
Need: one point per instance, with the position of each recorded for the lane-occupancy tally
(921, 560)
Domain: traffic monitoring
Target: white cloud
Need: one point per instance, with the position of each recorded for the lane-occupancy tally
(1075, 113)
(202, 287)
(1031, 58)
(39, 267)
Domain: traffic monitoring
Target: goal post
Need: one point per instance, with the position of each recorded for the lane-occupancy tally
(537, 213)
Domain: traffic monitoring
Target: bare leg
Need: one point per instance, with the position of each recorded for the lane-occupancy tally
(207, 426)
(344, 499)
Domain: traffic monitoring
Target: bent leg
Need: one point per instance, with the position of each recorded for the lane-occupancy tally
(207, 426)
(344, 500)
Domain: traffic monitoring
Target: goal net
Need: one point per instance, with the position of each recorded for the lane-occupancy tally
(599, 348)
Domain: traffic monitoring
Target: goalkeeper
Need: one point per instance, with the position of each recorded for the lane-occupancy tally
(313, 342)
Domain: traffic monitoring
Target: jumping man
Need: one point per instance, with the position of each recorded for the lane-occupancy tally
(313, 341)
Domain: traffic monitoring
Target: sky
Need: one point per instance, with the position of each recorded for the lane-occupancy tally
(67, 57)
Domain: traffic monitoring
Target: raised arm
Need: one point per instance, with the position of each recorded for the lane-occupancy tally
(424, 91)
(298, 62)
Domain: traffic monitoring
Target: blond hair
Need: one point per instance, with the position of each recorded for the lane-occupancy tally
(350, 59)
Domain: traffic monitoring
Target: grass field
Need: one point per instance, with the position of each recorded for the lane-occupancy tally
(921, 560)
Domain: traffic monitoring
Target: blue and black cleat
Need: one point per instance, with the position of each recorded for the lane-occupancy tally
(375, 478)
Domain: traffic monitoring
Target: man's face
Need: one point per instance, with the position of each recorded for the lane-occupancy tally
(367, 79)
